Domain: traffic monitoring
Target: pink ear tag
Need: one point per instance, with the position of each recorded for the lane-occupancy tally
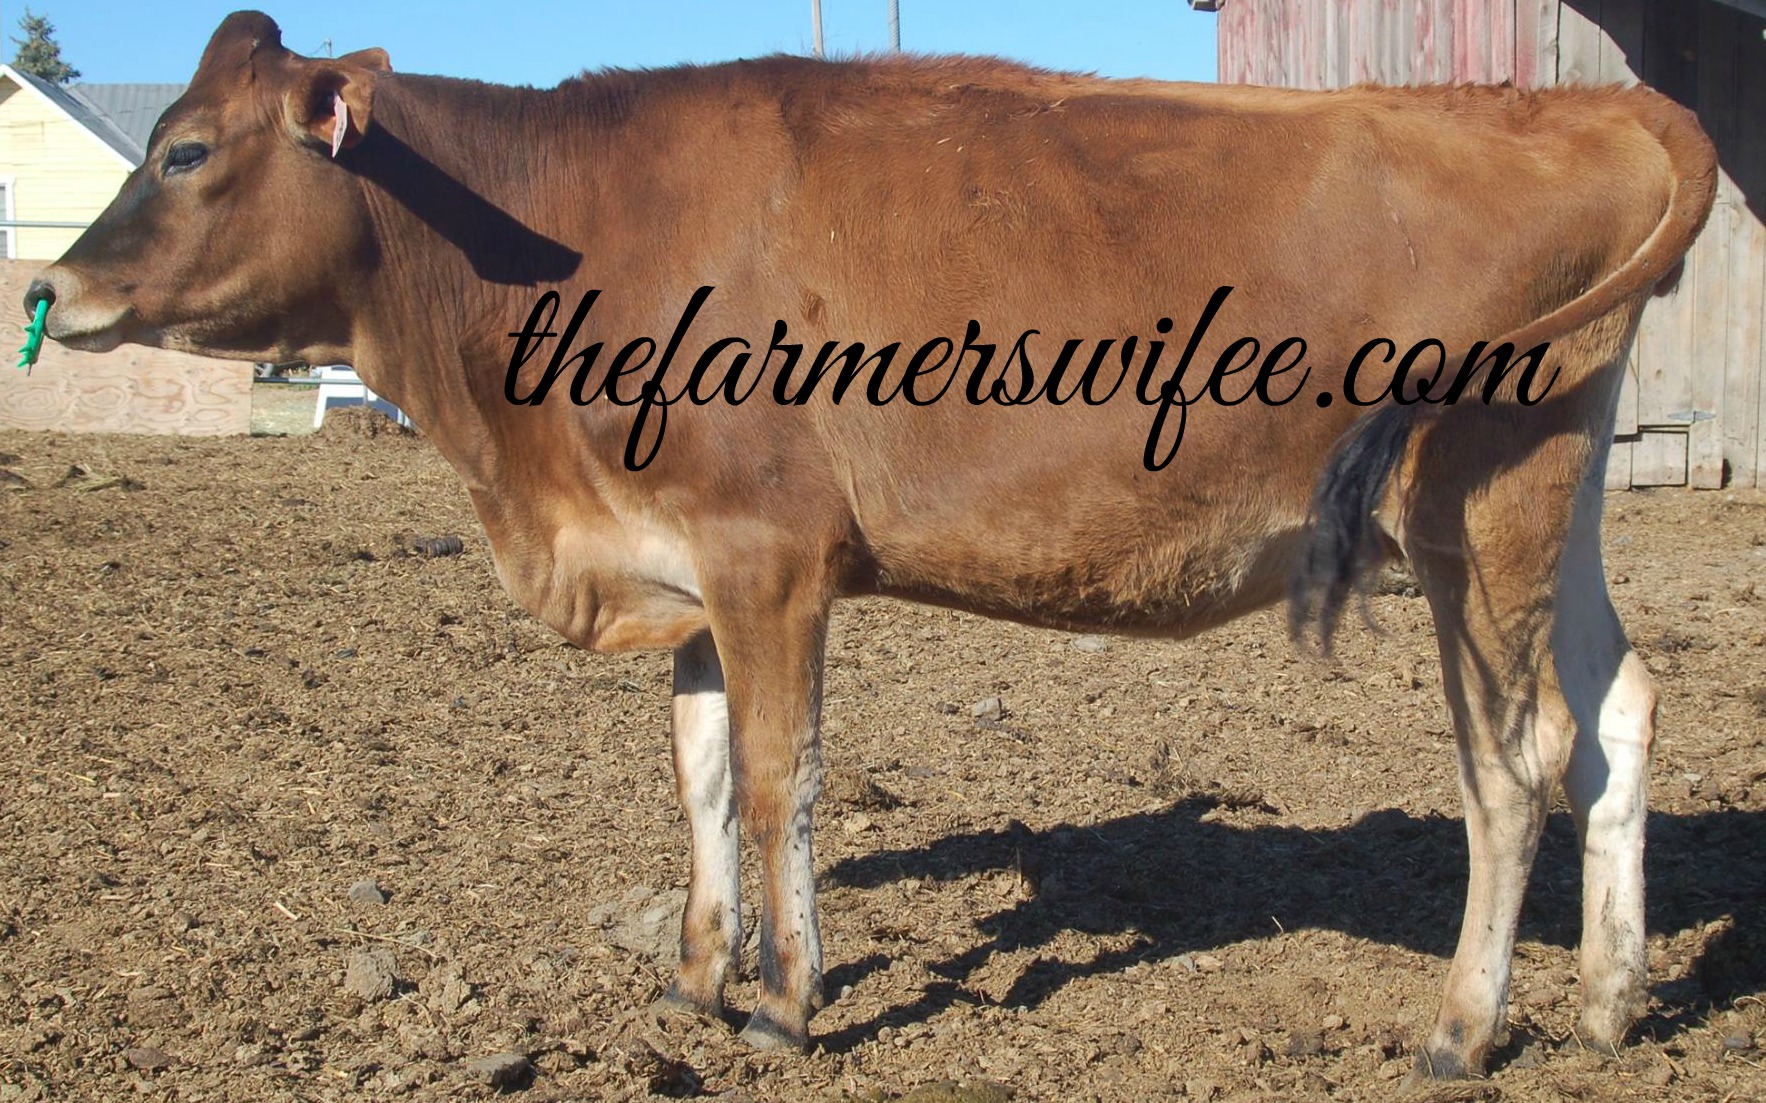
(340, 113)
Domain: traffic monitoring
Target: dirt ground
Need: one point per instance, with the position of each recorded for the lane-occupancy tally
(282, 409)
(1209, 870)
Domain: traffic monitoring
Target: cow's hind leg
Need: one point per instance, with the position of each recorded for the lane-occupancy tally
(1488, 558)
(1614, 704)
(1511, 754)
(711, 928)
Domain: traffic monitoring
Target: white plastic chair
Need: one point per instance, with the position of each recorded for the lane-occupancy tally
(339, 385)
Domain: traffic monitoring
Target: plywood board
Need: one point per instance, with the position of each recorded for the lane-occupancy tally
(129, 390)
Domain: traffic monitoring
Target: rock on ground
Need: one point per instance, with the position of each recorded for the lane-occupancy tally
(367, 892)
(371, 974)
(500, 1070)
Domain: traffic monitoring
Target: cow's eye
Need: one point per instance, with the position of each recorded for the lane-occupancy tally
(185, 156)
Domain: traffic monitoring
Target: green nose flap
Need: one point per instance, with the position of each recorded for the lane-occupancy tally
(27, 352)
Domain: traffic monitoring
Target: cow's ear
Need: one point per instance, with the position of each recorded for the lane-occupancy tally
(332, 101)
(373, 59)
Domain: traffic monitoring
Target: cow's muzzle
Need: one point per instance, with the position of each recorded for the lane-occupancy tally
(82, 315)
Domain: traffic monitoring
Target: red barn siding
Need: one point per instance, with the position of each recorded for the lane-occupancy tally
(1320, 45)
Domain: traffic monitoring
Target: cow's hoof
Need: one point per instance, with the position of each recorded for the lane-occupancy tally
(1604, 1034)
(676, 1002)
(1435, 1065)
(767, 1034)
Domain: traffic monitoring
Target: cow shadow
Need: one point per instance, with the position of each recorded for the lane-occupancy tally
(500, 248)
(1178, 882)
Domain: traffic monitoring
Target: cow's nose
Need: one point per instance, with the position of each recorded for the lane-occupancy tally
(40, 290)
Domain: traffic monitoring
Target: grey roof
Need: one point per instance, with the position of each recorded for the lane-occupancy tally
(121, 115)
(86, 115)
(131, 108)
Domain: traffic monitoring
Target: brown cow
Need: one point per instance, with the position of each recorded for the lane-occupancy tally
(331, 210)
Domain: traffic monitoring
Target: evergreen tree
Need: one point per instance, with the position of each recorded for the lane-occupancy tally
(38, 52)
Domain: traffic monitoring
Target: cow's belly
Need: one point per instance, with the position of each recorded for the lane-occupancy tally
(1049, 515)
(1148, 582)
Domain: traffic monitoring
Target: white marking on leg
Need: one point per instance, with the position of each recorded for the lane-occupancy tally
(791, 943)
(1505, 798)
(1611, 697)
(801, 871)
(702, 770)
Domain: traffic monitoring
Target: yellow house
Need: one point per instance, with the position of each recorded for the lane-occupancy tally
(64, 153)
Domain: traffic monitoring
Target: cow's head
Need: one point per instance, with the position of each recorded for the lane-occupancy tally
(241, 235)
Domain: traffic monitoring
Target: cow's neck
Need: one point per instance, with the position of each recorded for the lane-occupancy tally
(456, 179)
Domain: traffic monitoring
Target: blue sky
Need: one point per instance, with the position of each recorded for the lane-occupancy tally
(542, 41)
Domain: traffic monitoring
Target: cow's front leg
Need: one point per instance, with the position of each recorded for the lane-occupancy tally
(711, 928)
(770, 638)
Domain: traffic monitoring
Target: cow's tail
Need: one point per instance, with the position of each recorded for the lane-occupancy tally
(1345, 538)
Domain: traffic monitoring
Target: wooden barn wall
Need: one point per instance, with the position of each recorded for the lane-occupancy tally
(1332, 43)
(1693, 411)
